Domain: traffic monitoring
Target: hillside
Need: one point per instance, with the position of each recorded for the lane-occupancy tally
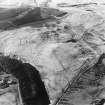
(56, 45)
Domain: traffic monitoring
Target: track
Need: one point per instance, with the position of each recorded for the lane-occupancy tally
(71, 86)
